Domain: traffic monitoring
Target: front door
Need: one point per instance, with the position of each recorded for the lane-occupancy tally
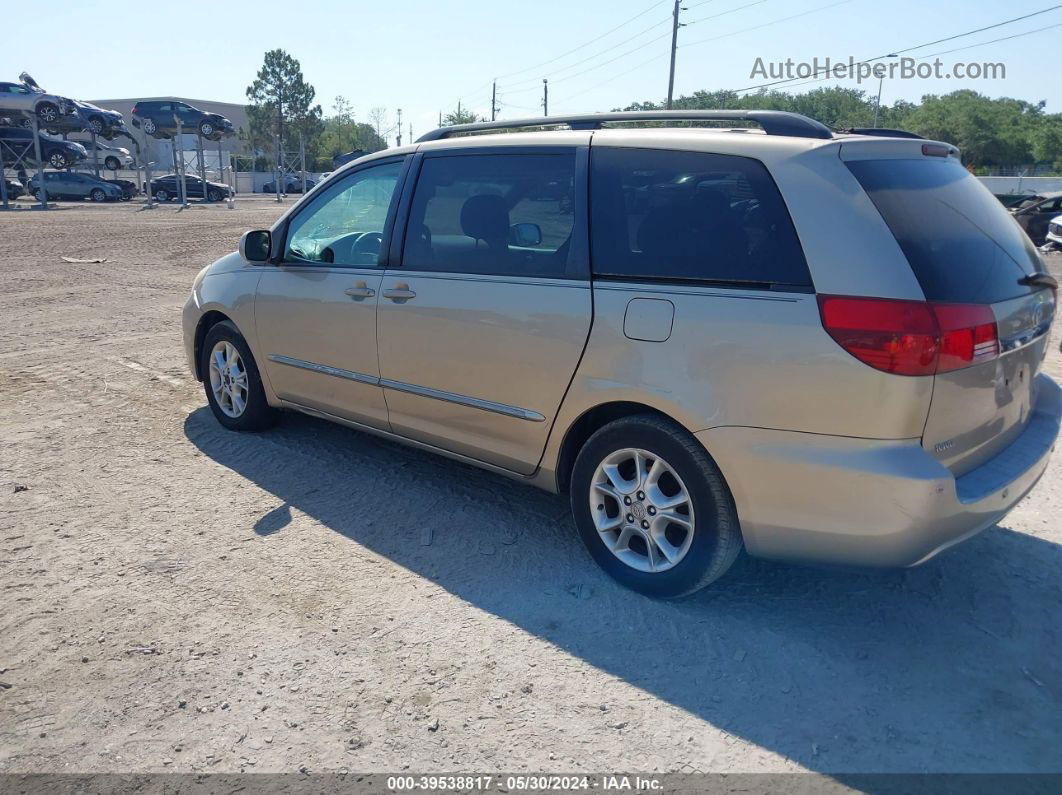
(482, 325)
(315, 312)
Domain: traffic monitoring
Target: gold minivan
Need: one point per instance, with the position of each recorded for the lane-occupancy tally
(809, 345)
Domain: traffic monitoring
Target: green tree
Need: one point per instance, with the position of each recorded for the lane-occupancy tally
(281, 104)
(461, 115)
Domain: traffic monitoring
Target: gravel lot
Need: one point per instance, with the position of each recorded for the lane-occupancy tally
(177, 597)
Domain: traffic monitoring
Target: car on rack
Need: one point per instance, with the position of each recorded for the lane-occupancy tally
(813, 346)
(291, 185)
(158, 118)
(27, 97)
(167, 188)
(72, 185)
(109, 156)
(57, 153)
(106, 124)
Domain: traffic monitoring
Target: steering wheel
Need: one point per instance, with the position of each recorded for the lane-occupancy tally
(368, 243)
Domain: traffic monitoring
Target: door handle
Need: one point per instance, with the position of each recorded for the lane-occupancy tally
(361, 291)
(399, 294)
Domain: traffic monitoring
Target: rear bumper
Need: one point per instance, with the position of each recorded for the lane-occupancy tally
(829, 499)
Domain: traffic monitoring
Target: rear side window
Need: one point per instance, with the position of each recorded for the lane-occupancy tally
(689, 216)
(505, 214)
(962, 245)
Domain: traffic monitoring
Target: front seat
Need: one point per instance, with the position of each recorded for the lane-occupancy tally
(485, 219)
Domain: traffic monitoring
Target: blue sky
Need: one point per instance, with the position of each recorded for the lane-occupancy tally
(424, 56)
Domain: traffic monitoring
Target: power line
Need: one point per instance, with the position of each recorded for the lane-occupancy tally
(765, 24)
(612, 48)
(584, 44)
(701, 41)
(909, 49)
(724, 13)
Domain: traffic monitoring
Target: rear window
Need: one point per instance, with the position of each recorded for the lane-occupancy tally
(691, 216)
(963, 246)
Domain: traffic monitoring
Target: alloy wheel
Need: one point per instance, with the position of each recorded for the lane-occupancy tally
(642, 510)
(228, 379)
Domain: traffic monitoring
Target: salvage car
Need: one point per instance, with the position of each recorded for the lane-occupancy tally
(14, 188)
(71, 185)
(28, 97)
(110, 156)
(1034, 213)
(292, 185)
(813, 346)
(56, 152)
(107, 124)
(158, 118)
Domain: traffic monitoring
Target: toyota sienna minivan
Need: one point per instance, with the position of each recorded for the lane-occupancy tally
(810, 345)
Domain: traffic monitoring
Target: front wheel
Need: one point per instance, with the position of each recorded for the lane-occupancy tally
(232, 382)
(653, 508)
(213, 196)
(58, 160)
(113, 163)
(47, 113)
(97, 195)
(206, 128)
(95, 125)
(162, 195)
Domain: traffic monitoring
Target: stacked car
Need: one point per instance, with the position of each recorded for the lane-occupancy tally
(71, 185)
(159, 119)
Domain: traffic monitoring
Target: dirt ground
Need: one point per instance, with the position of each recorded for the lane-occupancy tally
(176, 597)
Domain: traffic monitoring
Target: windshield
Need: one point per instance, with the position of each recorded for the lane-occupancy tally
(963, 246)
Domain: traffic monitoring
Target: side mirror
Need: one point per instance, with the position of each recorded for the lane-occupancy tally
(525, 235)
(255, 245)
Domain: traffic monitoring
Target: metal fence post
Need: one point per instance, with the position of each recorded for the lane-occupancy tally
(40, 163)
(95, 155)
(178, 153)
(302, 162)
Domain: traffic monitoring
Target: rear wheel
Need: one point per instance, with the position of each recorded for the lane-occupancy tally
(113, 163)
(162, 195)
(96, 125)
(149, 126)
(58, 160)
(653, 508)
(97, 195)
(232, 381)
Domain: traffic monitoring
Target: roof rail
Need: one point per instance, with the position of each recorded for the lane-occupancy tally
(883, 132)
(773, 122)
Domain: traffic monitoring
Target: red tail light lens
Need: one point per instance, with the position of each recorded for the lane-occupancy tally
(911, 337)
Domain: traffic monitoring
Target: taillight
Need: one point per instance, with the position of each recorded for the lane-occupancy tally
(911, 337)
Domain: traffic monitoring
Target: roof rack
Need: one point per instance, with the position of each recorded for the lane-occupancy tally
(773, 122)
(883, 132)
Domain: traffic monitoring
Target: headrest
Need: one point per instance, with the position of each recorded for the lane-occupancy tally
(485, 217)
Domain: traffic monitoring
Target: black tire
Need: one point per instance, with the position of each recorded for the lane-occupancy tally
(258, 414)
(162, 195)
(58, 160)
(149, 126)
(97, 195)
(47, 113)
(113, 163)
(206, 128)
(96, 125)
(37, 194)
(213, 196)
(716, 540)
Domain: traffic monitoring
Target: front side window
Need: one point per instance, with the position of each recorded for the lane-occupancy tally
(345, 223)
(691, 216)
(505, 214)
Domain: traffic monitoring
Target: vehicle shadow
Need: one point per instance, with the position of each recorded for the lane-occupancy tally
(953, 666)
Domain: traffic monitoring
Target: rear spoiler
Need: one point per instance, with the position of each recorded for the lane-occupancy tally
(881, 132)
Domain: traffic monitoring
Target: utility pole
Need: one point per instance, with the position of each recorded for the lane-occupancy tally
(545, 97)
(493, 100)
(411, 132)
(440, 118)
(674, 45)
(399, 141)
